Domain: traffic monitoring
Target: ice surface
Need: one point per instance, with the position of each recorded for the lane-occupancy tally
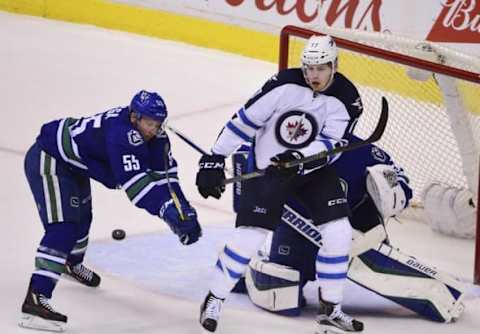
(152, 284)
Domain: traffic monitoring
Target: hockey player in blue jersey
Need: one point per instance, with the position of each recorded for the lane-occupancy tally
(124, 148)
(376, 189)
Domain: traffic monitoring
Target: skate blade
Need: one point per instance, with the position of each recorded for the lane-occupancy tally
(34, 322)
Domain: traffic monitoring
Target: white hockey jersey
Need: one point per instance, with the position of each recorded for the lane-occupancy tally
(286, 114)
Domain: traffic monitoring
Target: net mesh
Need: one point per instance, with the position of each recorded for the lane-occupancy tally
(419, 134)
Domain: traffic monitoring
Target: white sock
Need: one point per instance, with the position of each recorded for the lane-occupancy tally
(234, 257)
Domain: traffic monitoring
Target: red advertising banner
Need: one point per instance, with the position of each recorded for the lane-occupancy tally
(356, 14)
(458, 22)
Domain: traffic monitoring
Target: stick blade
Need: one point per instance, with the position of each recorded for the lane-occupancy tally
(382, 122)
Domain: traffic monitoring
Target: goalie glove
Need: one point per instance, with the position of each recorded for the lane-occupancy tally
(386, 191)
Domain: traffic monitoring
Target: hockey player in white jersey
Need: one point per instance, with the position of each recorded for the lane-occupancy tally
(290, 117)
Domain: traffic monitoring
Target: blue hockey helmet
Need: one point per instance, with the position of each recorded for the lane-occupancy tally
(149, 104)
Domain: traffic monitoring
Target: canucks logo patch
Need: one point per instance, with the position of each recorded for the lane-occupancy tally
(134, 138)
(296, 129)
(378, 154)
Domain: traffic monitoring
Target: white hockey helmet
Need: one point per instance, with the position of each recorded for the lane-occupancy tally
(319, 50)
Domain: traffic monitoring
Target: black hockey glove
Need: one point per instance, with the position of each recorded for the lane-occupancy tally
(211, 175)
(188, 230)
(276, 169)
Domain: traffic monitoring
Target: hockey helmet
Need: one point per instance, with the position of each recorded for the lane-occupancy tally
(319, 50)
(149, 104)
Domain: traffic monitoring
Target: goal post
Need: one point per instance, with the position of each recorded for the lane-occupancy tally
(434, 126)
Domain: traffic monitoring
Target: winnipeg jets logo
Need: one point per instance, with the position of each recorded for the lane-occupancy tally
(134, 138)
(358, 104)
(296, 129)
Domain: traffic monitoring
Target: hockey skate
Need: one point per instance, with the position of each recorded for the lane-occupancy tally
(37, 313)
(82, 274)
(210, 312)
(332, 320)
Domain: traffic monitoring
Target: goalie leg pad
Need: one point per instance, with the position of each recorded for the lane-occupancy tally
(274, 287)
(404, 280)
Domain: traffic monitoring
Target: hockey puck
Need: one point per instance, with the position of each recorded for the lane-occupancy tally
(118, 234)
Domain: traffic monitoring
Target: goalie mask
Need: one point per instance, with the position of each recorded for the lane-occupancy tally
(319, 50)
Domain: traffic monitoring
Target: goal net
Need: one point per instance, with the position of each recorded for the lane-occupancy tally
(433, 130)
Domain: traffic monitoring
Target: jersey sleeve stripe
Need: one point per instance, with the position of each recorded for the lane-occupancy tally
(238, 132)
(245, 119)
(157, 174)
(138, 197)
(135, 188)
(134, 179)
(65, 145)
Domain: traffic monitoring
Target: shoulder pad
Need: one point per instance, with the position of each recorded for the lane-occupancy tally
(344, 90)
(288, 76)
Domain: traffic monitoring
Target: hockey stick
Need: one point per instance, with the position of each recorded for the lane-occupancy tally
(376, 135)
(185, 139)
(191, 143)
(175, 200)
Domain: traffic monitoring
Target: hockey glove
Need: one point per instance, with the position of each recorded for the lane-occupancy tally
(188, 230)
(210, 176)
(275, 169)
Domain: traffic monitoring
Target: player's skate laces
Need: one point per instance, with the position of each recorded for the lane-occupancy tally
(82, 274)
(331, 319)
(210, 312)
(37, 313)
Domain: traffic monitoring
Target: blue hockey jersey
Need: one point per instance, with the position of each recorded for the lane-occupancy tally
(107, 148)
(352, 170)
